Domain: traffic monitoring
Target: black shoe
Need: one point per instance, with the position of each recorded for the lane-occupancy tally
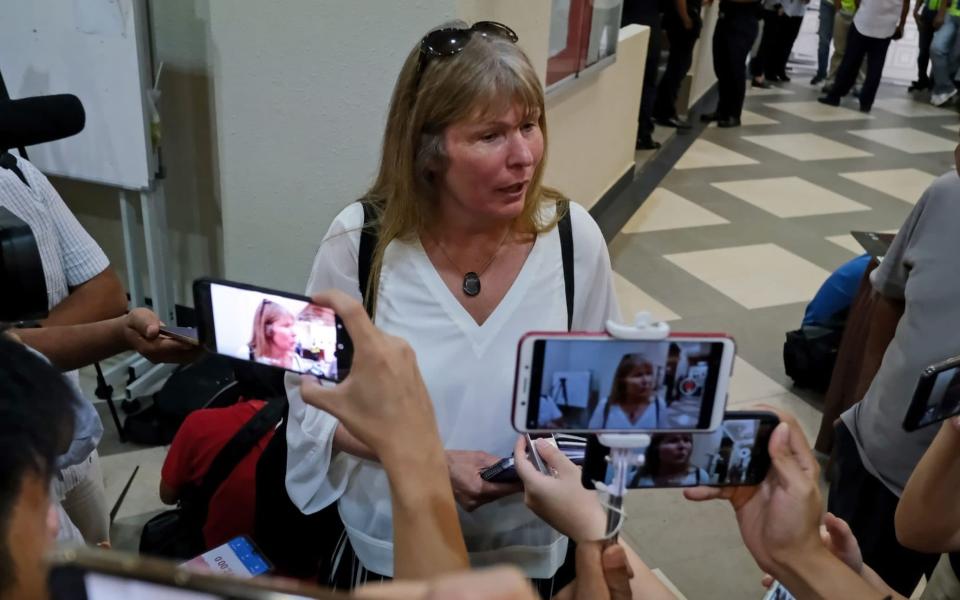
(708, 117)
(817, 79)
(647, 143)
(864, 109)
(919, 85)
(828, 99)
(728, 122)
(760, 84)
(781, 77)
(675, 122)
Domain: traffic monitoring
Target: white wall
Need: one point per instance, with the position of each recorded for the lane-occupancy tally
(301, 91)
(273, 115)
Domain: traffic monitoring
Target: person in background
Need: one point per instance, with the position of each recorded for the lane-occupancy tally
(81, 288)
(842, 23)
(791, 21)
(824, 35)
(763, 66)
(873, 455)
(646, 12)
(875, 24)
(943, 52)
(836, 294)
(201, 436)
(733, 37)
(682, 23)
(925, 12)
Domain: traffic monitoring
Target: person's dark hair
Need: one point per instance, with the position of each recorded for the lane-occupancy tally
(36, 425)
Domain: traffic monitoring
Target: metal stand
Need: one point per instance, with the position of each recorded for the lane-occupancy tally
(627, 450)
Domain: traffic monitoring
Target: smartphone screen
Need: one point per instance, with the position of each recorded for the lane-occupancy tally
(590, 384)
(272, 328)
(238, 557)
(735, 454)
(937, 396)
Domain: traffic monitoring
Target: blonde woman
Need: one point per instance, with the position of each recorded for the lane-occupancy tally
(468, 260)
(633, 402)
(274, 338)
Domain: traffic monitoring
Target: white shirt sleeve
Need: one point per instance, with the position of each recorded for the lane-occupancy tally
(83, 259)
(595, 300)
(316, 475)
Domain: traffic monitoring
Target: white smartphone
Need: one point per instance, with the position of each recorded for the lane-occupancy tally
(595, 383)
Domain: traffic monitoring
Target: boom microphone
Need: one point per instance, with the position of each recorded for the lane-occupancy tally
(39, 119)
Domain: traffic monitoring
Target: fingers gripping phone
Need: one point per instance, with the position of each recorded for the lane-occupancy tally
(736, 453)
(594, 383)
(937, 396)
(272, 328)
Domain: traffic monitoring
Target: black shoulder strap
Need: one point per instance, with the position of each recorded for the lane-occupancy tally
(565, 227)
(368, 242)
(236, 449)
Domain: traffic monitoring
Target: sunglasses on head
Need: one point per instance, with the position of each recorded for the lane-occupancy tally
(452, 40)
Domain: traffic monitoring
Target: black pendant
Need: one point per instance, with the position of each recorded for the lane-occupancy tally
(471, 284)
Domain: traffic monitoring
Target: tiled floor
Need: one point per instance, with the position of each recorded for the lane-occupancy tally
(905, 184)
(788, 194)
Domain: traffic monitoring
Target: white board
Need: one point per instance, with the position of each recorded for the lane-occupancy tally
(98, 51)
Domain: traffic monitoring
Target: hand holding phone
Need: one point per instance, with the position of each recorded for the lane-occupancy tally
(557, 496)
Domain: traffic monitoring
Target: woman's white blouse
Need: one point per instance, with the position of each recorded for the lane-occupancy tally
(469, 372)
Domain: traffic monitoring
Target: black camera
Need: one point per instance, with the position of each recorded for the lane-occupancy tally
(23, 289)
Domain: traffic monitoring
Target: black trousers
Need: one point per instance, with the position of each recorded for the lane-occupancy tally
(779, 34)
(859, 47)
(789, 30)
(765, 62)
(732, 39)
(649, 94)
(869, 507)
(682, 42)
(925, 33)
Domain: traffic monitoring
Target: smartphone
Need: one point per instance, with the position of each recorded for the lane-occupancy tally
(187, 335)
(937, 396)
(238, 557)
(272, 328)
(90, 574)
(594, 383)
(504, 470)
(778, 592)
(735, 454)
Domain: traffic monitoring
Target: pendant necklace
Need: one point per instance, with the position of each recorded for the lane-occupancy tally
(471, 279)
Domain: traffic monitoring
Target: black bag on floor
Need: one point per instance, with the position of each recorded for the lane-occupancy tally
(809, 355)
(178, 533)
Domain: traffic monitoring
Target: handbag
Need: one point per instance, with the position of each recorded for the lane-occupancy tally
(178, 533)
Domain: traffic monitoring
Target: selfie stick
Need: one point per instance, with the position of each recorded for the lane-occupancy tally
(627, 449)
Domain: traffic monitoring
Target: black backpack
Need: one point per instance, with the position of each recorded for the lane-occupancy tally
(178, 533)
(809, 355)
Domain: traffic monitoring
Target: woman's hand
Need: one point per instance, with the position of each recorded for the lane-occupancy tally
(779, 519)
(469, 489)
(561, 501)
